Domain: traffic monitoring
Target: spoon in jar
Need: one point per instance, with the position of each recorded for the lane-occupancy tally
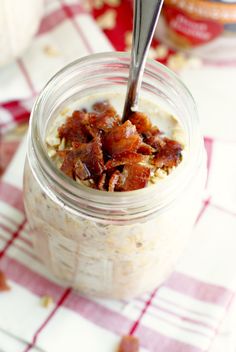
(146, 14)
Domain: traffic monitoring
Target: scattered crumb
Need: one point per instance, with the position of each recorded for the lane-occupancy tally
(177, 61)
(161, 51)
(107, 20)
(129, 344)
(194, 62)
(46, 301)
(3, 283)
(139, 244)
(128, 39)
(50, 50)
(152, 53)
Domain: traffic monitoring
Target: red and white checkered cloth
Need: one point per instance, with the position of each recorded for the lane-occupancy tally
(183, 315)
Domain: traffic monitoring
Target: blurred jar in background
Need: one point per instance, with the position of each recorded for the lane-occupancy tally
(206, 28)
(19, 21)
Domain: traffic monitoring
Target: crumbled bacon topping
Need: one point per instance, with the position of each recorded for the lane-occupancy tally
(134, 177)
(104, 117)
(125, 158)
(3, 283)
(74, 129)
(101, 182)
(141, 121)
(129, 344)
(114, 179)
(106, 154)
(146, 149)
(153, 137)
(168, 155)
(84, 159)
(123, 138)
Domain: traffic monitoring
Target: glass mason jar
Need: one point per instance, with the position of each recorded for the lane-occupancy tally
(205, 28)
(120, 244)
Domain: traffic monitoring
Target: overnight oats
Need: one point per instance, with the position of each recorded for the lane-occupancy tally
(111, 204)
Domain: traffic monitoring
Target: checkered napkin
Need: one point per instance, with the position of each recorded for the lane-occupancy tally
(183, 315)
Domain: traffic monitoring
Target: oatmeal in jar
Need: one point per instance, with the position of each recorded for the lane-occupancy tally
(110, 204)
(94, 147)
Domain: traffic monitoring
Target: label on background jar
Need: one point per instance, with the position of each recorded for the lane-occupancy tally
(196, 22)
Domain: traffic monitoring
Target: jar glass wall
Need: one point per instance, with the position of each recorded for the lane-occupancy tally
(115, 245)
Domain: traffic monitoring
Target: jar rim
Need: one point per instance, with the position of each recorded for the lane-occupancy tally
(74, 193)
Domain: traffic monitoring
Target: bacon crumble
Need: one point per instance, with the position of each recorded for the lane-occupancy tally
(3, 283)
(122, 138)
(141, 121)
(114, 179)
(125, 158)
(109, 155)
(129, 344)
(135, 176)
(169, 154)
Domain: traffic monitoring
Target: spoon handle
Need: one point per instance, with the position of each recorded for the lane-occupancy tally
(146, 14)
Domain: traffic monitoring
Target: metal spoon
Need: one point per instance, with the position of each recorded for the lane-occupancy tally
(146, 14)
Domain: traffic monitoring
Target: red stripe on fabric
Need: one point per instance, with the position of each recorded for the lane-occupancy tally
(176, 325)
(17, 111)
(12, 239)
(58, 16)
(26, 76)
(40, 286)
(6, 228)
(26, 241)
(217, 330)
(202, 211)
(153, 341)
(223, 140)
(15, 120)
(29, 279)
(89, 309)
(181, 316)
(22, 249)
(143, 312)
(209, 149)
(11, 195)
(98, 314)
(157, 308)
(69, 13)
(7, 150)
(200, 314)
(199, 290)
(62, 299)
(15, 223)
